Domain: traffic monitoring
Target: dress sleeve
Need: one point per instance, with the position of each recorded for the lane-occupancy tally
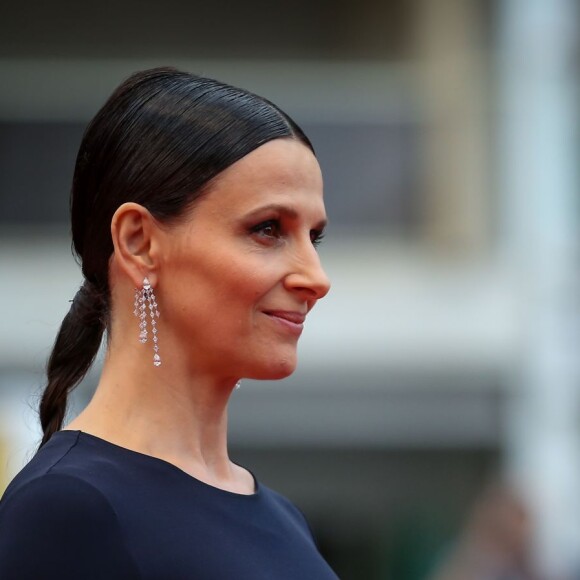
(58, 526)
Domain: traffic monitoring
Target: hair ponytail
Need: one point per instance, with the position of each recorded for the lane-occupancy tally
(75, 348)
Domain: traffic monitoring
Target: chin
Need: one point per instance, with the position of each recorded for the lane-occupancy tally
(275, 369)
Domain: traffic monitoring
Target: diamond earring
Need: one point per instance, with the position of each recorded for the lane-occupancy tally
(145, 298)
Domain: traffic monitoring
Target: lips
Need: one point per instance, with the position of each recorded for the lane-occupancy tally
(287, 321)
(294, 317)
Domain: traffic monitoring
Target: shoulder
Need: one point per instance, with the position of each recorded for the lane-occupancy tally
(57, 496)
(53, 485)
(61, 524)
(288, 510)
(281, 502)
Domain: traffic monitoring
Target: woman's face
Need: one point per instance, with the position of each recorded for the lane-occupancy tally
(238, 277)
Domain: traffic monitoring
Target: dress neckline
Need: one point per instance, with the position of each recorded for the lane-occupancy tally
(95, 439)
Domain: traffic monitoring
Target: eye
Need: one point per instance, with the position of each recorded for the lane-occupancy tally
(316, 237)
(269, 229)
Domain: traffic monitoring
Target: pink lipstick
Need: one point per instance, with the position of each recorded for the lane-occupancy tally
(293, 322)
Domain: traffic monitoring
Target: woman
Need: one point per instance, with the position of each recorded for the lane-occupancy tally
(196, 211)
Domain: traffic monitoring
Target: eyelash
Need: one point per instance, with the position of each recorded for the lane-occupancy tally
(261, 227)
(316, 236)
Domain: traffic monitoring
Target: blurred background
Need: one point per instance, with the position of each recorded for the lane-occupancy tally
(432, 429)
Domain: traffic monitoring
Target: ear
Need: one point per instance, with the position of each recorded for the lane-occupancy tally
(134, 232)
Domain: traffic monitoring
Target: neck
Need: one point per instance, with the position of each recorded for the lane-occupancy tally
(176, 416)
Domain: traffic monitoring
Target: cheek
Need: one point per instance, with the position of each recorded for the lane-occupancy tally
(223, 278)
(246, 278)
(213, 289)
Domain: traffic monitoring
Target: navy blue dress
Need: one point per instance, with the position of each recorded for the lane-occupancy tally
(84, 508)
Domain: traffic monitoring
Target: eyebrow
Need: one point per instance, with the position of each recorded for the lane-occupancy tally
(284, 210)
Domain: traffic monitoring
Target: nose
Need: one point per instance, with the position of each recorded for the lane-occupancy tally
(307, 275)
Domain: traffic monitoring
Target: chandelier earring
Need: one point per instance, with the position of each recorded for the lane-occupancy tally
(146, 308)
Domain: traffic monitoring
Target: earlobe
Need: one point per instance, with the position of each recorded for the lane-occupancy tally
(133, 234)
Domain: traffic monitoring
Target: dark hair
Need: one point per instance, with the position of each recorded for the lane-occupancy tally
(158, 141)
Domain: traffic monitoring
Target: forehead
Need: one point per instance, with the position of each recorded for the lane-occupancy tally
(282, 170)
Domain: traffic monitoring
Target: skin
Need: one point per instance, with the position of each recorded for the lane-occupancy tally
(227, 277)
